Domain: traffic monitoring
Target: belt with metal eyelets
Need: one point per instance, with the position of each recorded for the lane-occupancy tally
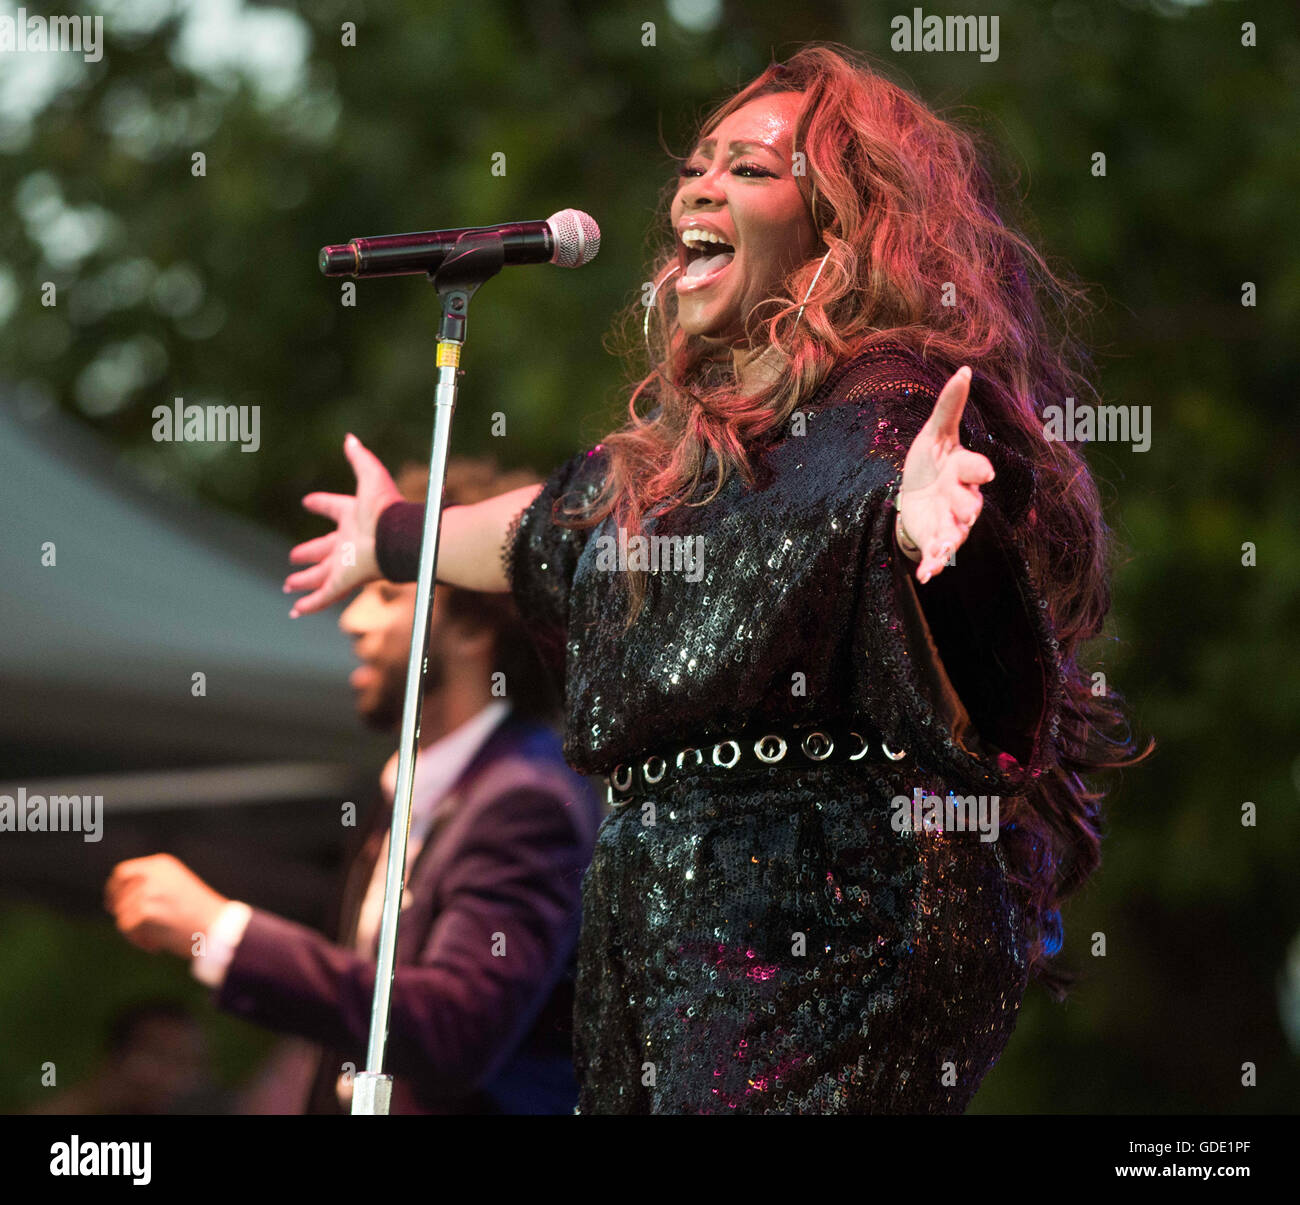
(752, 749)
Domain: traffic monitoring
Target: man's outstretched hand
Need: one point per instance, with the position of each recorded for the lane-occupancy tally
(161, 904)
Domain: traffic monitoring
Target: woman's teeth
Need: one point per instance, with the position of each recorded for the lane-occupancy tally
(696, 235)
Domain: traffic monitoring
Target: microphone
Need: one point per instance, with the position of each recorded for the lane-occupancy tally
(569, 238)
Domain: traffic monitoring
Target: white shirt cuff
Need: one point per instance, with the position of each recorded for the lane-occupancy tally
(223, 937)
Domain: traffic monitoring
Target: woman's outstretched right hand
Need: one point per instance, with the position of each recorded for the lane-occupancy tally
(345, 558)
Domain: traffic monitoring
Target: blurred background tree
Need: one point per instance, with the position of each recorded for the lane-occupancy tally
(204, 286)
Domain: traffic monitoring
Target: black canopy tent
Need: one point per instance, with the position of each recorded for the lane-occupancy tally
(114, 597)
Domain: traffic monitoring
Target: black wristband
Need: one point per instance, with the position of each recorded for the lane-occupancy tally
(397, 540)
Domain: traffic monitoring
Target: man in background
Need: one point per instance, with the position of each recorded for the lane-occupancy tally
(501, 832)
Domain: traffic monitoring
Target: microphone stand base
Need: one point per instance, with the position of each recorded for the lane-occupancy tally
(372, 1094)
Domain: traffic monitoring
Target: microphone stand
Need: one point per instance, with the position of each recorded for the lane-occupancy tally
(476, 257)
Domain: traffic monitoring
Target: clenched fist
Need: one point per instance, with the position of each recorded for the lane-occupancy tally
(160, 904)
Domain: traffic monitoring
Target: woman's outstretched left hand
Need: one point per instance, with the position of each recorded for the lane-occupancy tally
(939, 499)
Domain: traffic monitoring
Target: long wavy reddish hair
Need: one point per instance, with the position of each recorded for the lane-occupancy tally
(907, 210)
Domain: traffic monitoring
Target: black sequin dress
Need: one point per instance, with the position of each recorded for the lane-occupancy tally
(771, 942)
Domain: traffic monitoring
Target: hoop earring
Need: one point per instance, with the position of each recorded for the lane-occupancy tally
(645, 324)
(816, 277)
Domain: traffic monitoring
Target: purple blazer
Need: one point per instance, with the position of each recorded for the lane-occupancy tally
(482, 1000)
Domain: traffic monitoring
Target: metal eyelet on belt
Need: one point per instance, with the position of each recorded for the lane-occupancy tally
(889, 753)
(861, 753)
(735, 756)
(761, 744)
(830, 746)
(626, 783)
(645, 768)
(699, 757)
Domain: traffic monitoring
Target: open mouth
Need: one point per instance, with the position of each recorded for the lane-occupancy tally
(705, 256)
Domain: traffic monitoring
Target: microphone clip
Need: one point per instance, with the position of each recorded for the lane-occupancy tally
(476, 257)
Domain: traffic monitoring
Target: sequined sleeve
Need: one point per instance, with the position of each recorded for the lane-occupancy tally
(965, 667)
(540, 556)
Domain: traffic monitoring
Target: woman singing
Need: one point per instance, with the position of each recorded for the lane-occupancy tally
(836, 696)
